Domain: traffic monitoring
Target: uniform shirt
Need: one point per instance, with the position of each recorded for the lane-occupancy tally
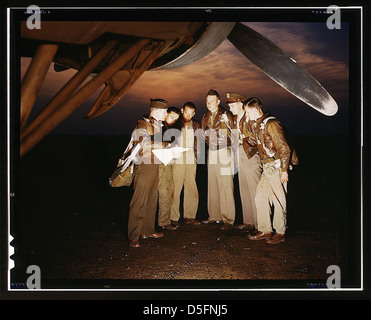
(187, 140)
(215, 127)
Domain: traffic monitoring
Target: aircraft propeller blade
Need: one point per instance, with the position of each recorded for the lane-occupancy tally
(282, 69)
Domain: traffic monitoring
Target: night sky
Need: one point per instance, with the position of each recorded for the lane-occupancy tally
(324, 53)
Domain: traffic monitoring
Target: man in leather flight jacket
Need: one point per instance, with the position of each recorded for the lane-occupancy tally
(216, 125)
(248, 163)
(143, 205)
(276, 156)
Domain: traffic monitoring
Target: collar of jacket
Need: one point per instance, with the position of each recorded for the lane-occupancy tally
(220, 111)
(260, 120)
(242, 120)
(191, 123)
(152, 119)
(148, 117)
(218, 115)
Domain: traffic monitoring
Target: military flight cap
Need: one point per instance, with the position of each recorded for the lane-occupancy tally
(159, 104)
(234, 97)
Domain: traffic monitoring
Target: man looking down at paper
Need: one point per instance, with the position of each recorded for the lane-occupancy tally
(171, 133)
(276, 156)
(248, 163)
(184, 168)
(143, 205)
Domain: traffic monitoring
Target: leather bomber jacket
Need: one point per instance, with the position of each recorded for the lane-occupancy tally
(217, 135)
(274, 140)
(148, 132)
(249, 143)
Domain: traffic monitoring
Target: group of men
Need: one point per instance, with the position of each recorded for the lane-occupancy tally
(244, 140)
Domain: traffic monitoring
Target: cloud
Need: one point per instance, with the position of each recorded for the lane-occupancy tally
(312, 45)
(226, 69)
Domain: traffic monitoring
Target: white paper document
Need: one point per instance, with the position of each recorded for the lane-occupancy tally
(166, 155)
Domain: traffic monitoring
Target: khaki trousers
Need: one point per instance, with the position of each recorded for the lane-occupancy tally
(165, 194)
(220, 202)
(249, 174)
(184, 175)
(271, 191)
(143, 204)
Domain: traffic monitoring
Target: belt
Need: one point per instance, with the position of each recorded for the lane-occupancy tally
(271, 159)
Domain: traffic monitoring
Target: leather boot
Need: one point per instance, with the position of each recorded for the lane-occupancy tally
(276, 238)
(259, 236)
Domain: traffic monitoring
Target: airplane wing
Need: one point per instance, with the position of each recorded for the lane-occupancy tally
(116, 53)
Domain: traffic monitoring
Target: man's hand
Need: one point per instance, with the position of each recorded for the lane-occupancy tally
(284, 177)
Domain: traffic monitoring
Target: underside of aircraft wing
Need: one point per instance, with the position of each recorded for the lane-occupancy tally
(116, 53)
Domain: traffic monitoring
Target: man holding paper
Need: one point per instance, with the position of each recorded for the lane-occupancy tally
(143, 205)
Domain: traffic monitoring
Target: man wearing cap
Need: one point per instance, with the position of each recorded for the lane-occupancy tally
(216, 125)
(143, 205)
(249, 164)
